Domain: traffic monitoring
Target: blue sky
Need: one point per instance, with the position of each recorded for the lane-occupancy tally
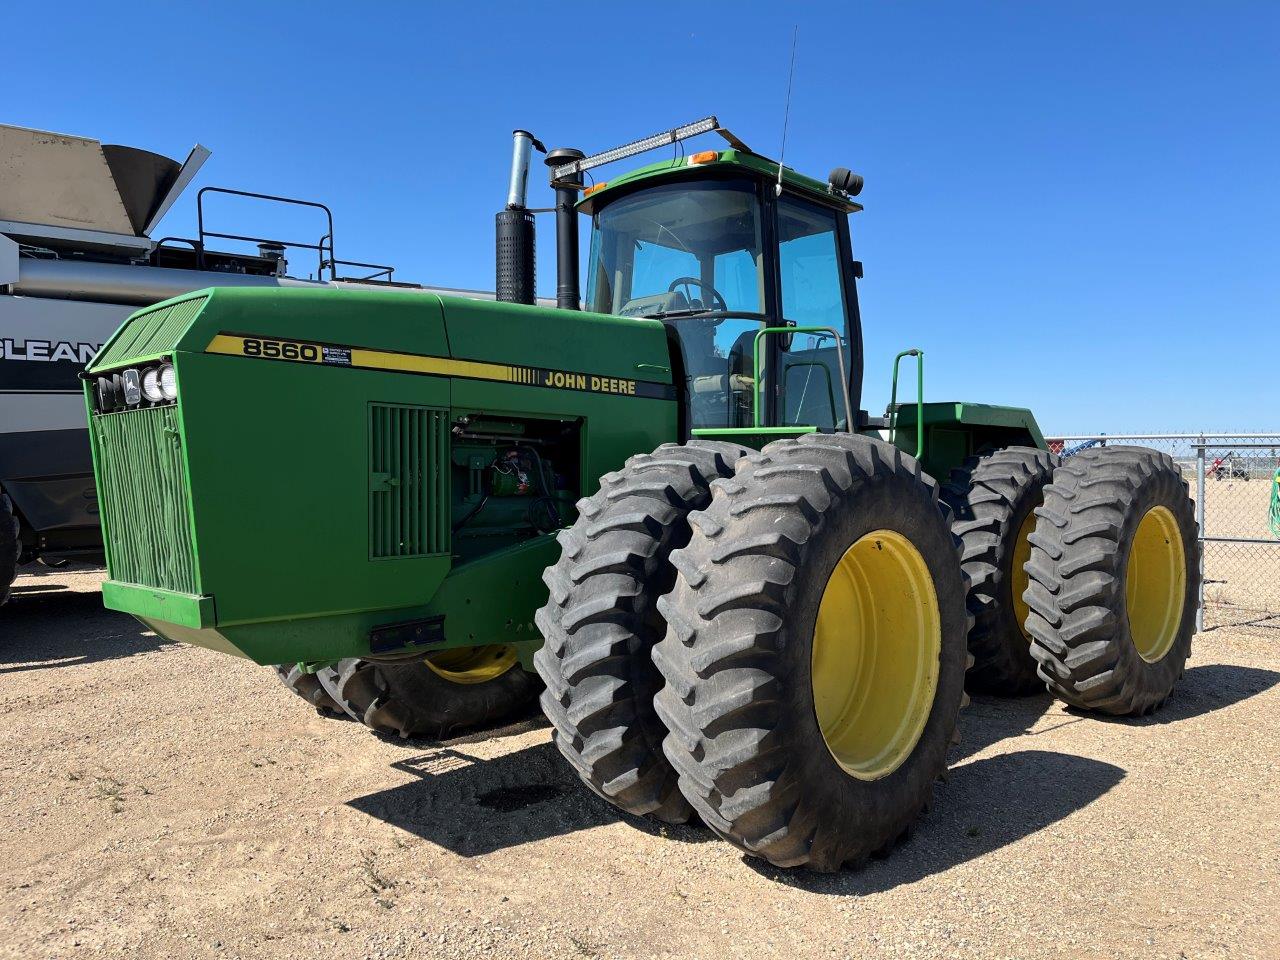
(1073, 207)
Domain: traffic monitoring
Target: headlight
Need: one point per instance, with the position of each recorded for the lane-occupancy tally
(151, 385)
(168, 382)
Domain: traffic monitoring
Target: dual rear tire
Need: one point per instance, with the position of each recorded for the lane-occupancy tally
(1114, 579)
(778, 704)
(1085, 574)
(794, 629)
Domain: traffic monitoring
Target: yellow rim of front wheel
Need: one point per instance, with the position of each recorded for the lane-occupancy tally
(1018, 579)
(473, 664)
(1155, 585)
(876, 650)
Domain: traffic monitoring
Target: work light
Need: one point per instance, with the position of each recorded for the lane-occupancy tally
(151, 385)
(168, 382)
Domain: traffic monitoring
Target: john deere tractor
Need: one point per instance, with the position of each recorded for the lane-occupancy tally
(742, 595)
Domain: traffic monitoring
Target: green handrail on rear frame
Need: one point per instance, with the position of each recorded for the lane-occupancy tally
(893, 399)
(759, 370)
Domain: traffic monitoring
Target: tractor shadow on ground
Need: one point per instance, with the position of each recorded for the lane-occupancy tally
(1202, 689)
(1267, 624)
(527, 718)
(473, 806)
(45, 625)
(992, 802)
(985, 805)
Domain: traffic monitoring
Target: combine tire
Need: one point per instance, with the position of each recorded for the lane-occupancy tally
(815, 652)
(1114, 577)
(436, 697)
(601, 621)
(10, 546)
(993, 498)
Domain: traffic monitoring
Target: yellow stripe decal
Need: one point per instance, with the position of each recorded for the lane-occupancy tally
(334, 355)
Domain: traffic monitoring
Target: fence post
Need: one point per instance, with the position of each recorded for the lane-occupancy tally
(1200, 528)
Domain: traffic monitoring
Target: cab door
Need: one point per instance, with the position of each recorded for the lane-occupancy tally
(815, 289)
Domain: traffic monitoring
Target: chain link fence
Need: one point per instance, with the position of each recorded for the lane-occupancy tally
(1232, 478)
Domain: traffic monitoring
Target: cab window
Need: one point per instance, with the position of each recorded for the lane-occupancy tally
(678, 248)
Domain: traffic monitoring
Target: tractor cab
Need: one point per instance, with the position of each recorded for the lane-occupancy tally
(755, 284)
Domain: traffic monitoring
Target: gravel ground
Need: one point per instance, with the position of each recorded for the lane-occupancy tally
(162, 801)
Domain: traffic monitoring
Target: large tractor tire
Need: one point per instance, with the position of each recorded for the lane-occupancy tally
(435, 697)
(438, 696)
(815, 652)
(993, 498)
(601, 622)
(10, 546)
(1114, 580)
(309, 686)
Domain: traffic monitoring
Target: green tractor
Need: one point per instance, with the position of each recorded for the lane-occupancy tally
(742, 601)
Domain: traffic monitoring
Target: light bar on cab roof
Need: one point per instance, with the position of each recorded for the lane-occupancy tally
(706, 125)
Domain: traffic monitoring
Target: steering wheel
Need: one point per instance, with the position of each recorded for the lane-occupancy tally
(717, 301)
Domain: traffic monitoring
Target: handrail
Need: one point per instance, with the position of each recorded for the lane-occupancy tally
(893, 399)
(318, 247)
(759, 368)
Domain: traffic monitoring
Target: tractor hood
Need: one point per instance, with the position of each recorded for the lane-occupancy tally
(242, 511)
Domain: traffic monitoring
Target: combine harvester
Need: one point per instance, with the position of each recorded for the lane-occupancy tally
(742, 601)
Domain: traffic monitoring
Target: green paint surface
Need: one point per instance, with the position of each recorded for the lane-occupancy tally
(955, 430)
(268, 461)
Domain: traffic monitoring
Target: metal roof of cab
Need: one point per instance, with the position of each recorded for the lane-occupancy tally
(751, 163)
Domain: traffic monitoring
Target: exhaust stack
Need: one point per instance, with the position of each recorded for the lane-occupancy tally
(514, 256)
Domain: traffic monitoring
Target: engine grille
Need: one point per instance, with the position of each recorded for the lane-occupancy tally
(146, 509)
(149, 334)
(408, 502)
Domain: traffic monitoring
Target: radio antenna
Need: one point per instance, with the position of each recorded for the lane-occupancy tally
(786, 110)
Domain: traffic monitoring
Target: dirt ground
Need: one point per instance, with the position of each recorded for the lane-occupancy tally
(167, 802)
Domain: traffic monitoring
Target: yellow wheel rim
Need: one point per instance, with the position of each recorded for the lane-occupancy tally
(1155, 585)
(1018, 578)
(473, 664)
(876, 650)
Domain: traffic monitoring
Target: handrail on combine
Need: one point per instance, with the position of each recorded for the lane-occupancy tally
(893, 399)
(759, 369)
(318, 247)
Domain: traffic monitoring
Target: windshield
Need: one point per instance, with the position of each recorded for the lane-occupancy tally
(678, 248)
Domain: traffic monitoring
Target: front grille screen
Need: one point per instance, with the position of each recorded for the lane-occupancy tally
(142, 489)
